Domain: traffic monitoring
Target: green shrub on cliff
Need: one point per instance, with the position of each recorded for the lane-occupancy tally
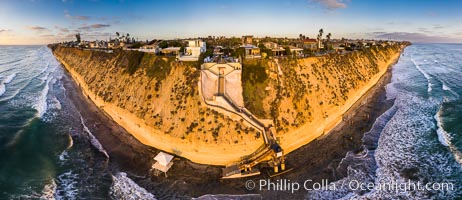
(134, 59)
(254, 81)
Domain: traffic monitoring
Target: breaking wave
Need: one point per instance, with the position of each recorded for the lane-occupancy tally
(93, 139)
(124, 188)
(41, 103)
(423, 73)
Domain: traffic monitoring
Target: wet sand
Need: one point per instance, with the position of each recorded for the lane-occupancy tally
(314, 161)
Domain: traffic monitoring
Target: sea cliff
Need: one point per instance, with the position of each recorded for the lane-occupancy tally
(157, 99)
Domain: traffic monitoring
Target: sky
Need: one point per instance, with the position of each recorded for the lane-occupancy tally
(48, 21)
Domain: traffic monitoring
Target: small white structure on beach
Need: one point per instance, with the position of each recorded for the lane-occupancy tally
(163, 163)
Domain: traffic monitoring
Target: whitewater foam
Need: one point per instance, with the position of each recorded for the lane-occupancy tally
(93, 139)
(2, 88)
(124, 188)
(67, 185)
(424, 73)
(445, 87)
(41, 103)
(445, 138)
(49, 190)
(9, 78)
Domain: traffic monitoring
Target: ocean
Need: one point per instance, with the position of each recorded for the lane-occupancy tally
(48, 152)
(418, 141)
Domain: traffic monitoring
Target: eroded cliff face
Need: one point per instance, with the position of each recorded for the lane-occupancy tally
(160, 96)
(301, 91)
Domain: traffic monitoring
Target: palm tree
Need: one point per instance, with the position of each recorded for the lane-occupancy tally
(118, 34)
(300, 36)
(77, 36)
(320, 37)
(328, 36)
(321, 31)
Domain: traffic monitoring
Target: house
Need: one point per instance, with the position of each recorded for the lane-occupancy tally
(270, 45)
(171, 51)
(276, 49)
(311, 44)
(296, 51)
(113, 44)
(195, 48)
(279, 51)
(150, 48)
(338, 46)
(251, 51)
(247, 40)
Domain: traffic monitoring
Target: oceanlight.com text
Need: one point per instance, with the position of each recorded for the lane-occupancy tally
(286, 185)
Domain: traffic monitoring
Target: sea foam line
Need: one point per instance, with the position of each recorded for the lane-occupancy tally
(41, 105)
(93, 139)
(424, 73)
(124, 188)
(445, 138)
(7, 80)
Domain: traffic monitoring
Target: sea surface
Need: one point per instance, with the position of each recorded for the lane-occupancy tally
(48, 152)
(418, 141)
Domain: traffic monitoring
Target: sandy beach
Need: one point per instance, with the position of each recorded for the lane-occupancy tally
(187, 179)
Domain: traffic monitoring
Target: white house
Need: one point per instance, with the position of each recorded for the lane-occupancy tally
(195, 48)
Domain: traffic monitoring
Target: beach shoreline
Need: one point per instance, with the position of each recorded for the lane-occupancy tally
(192, 180)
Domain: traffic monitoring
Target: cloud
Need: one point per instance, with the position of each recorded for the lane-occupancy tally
(330, 4)
(94, 26)
(61, 29)
(47, 35)
(415, 37)
(78, 17)
(4, 30)
(425, 30)
(438, 27)
(37, 28)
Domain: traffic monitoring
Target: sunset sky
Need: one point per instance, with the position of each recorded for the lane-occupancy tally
(47, 21)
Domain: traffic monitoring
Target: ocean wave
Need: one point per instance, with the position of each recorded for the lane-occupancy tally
(407, 150)
(425, 74)
(9, 78)
(10, 62)
(55, 103)
(124, 188)
(357, 166)
(445, 138)
(49, 190)
(93, 139)
(5, 81)
(2, 89)
(67, 185)
(63, 156)
(41, 104)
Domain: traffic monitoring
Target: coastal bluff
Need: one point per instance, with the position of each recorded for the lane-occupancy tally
(157, 99)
